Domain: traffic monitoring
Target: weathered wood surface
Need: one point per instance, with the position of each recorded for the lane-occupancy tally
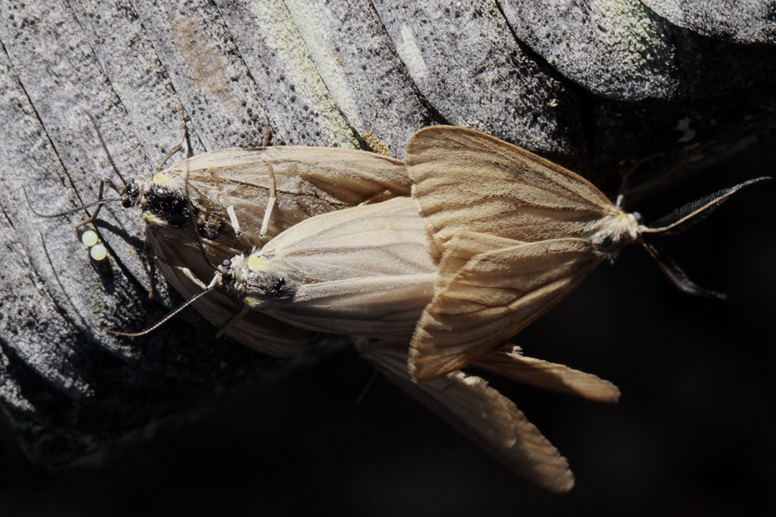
(596, 88)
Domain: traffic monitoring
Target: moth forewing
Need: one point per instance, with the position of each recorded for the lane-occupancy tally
(481, 413)
(494, 296)
(464, 179)
(509, 362)
(309, 181)
(363, 271)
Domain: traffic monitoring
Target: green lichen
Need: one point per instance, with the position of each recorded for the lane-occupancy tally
(282, 34)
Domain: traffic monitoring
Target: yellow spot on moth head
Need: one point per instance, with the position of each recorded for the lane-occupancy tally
(256, 264)
(153, 219)
(253, 303)
(160, 179)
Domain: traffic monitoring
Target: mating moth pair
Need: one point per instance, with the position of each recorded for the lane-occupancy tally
(433, 263)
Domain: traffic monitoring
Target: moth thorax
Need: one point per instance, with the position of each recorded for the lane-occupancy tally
(265, 290)
(615, 231)
(167, 205)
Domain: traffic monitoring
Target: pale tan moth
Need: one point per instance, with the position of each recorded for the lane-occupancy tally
(512, 242)
(230, 190)
(208, 208)
(497, 236)
(515, 242)
(363, 271)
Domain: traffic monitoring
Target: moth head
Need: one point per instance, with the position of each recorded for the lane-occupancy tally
(130, 194)
(232, 274)
(615, 231)
(252, 280)
(680, 220)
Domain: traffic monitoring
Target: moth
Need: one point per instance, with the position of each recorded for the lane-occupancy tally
(492, 238)
(215, 205)
(363, 271)
(368, 271)
(354, 242)
(515, 242)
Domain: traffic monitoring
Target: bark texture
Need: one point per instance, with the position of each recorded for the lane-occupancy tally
(596, 86)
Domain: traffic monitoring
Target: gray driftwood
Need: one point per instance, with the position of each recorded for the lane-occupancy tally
(599, 90)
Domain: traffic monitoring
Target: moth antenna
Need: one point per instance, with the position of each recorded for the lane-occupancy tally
(105, 148)
(677, 276)
(181, 140)
(245, 310)
(104, 181)
(272, 197)
(697, 210)
(167, 318)
(99, 203)
(66, 212)
(233, 220)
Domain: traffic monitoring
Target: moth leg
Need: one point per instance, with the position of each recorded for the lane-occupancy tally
(100, 198)
(181, 140)
(267, 136)
(186, 271)
(272, 197)
(375, 197)
(233, 220)
(245, 310)
(375, 144)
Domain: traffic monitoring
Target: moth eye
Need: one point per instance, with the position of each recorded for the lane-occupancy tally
(226, 263)
(637, 216)
(610, 244)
